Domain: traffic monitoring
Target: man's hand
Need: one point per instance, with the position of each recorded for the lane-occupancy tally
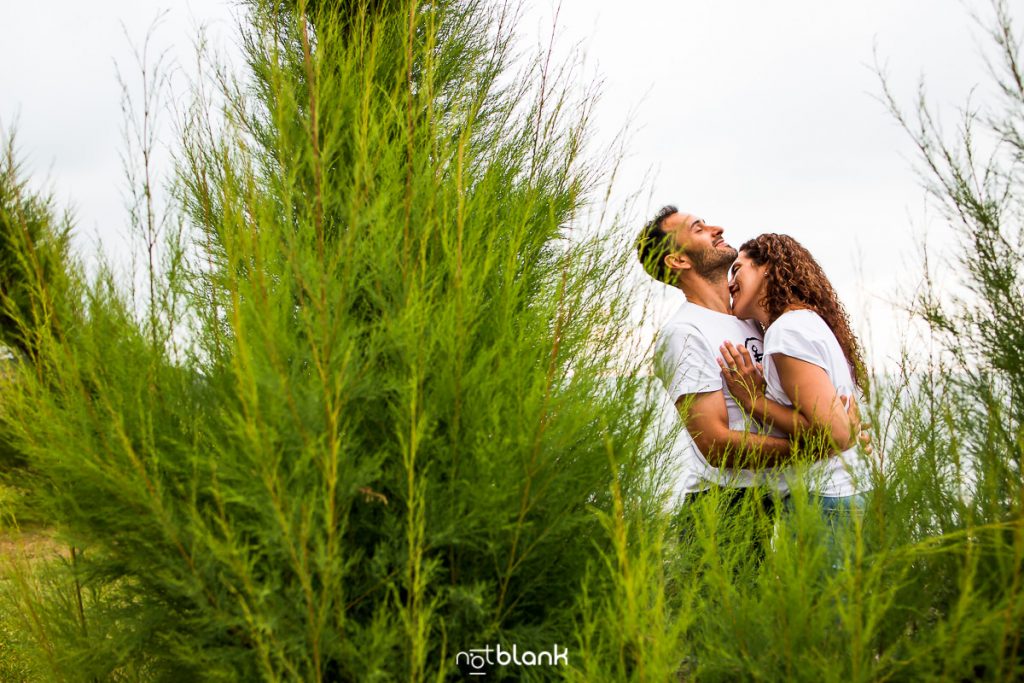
(743, 377)
(858, 430)
(864, 438)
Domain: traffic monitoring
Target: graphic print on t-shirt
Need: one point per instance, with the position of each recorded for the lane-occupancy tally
(755, 347)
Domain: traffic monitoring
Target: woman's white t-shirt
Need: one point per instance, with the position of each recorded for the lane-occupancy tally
(802, 334)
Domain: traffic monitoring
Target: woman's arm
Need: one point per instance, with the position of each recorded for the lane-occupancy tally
(817, 414)
(745, 381)
(817, 401)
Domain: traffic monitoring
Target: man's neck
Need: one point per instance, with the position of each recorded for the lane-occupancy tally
(712, 293)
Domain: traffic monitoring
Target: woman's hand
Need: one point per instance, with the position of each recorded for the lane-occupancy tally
(743, 377)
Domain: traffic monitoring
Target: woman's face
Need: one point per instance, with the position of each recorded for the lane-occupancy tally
(747, 287)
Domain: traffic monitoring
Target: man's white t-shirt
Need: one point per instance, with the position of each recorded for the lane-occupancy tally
(686, 361)
(802, 334)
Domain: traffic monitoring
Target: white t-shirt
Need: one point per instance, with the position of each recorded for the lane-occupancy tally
(802, 334)
(686, 354)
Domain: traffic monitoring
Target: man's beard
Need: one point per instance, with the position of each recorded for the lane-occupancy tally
(713, 264)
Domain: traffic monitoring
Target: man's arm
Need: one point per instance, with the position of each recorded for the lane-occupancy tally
(707, 420)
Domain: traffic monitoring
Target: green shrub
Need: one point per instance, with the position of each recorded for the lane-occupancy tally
(358, 418)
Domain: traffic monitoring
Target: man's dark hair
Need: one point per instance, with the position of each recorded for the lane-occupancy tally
(653, 244)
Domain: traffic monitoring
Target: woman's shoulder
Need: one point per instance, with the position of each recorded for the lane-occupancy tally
(799, 332)
(801, 320)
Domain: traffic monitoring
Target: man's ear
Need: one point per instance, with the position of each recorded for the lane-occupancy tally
(677, 261)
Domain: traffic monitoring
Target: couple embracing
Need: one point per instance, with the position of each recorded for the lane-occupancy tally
(759, 359)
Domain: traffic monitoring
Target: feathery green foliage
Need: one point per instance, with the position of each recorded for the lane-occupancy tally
(35, 292)
(34, 259)
(928, 582)
(362, 421)
(365, 417)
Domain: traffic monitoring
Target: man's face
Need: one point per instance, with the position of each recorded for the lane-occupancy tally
(700, 243)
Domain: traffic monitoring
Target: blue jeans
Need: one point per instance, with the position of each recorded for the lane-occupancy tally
(842, 505)
(838, 512)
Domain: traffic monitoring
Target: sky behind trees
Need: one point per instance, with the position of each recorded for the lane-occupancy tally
(757, 116)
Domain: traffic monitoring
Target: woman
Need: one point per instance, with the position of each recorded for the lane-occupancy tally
(811, 360)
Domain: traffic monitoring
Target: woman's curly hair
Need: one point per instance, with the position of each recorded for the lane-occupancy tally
(793, 277)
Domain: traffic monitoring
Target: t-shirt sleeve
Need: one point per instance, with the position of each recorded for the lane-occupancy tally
(803, 343)
(685, 362)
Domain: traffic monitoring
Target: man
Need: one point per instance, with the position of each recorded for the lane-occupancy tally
(684, 251)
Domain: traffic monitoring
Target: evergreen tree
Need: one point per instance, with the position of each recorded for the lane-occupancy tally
(34, 258)
(34, 283)
(385, 434)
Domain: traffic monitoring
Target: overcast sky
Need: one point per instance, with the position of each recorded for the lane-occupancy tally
(757, 116)
(763, 117)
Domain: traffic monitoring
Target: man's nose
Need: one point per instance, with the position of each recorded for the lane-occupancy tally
(718, 230)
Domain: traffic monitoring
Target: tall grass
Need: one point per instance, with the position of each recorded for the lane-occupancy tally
(928, 585)
(360, 419)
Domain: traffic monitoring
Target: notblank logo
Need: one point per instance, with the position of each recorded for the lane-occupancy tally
(478, 661)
